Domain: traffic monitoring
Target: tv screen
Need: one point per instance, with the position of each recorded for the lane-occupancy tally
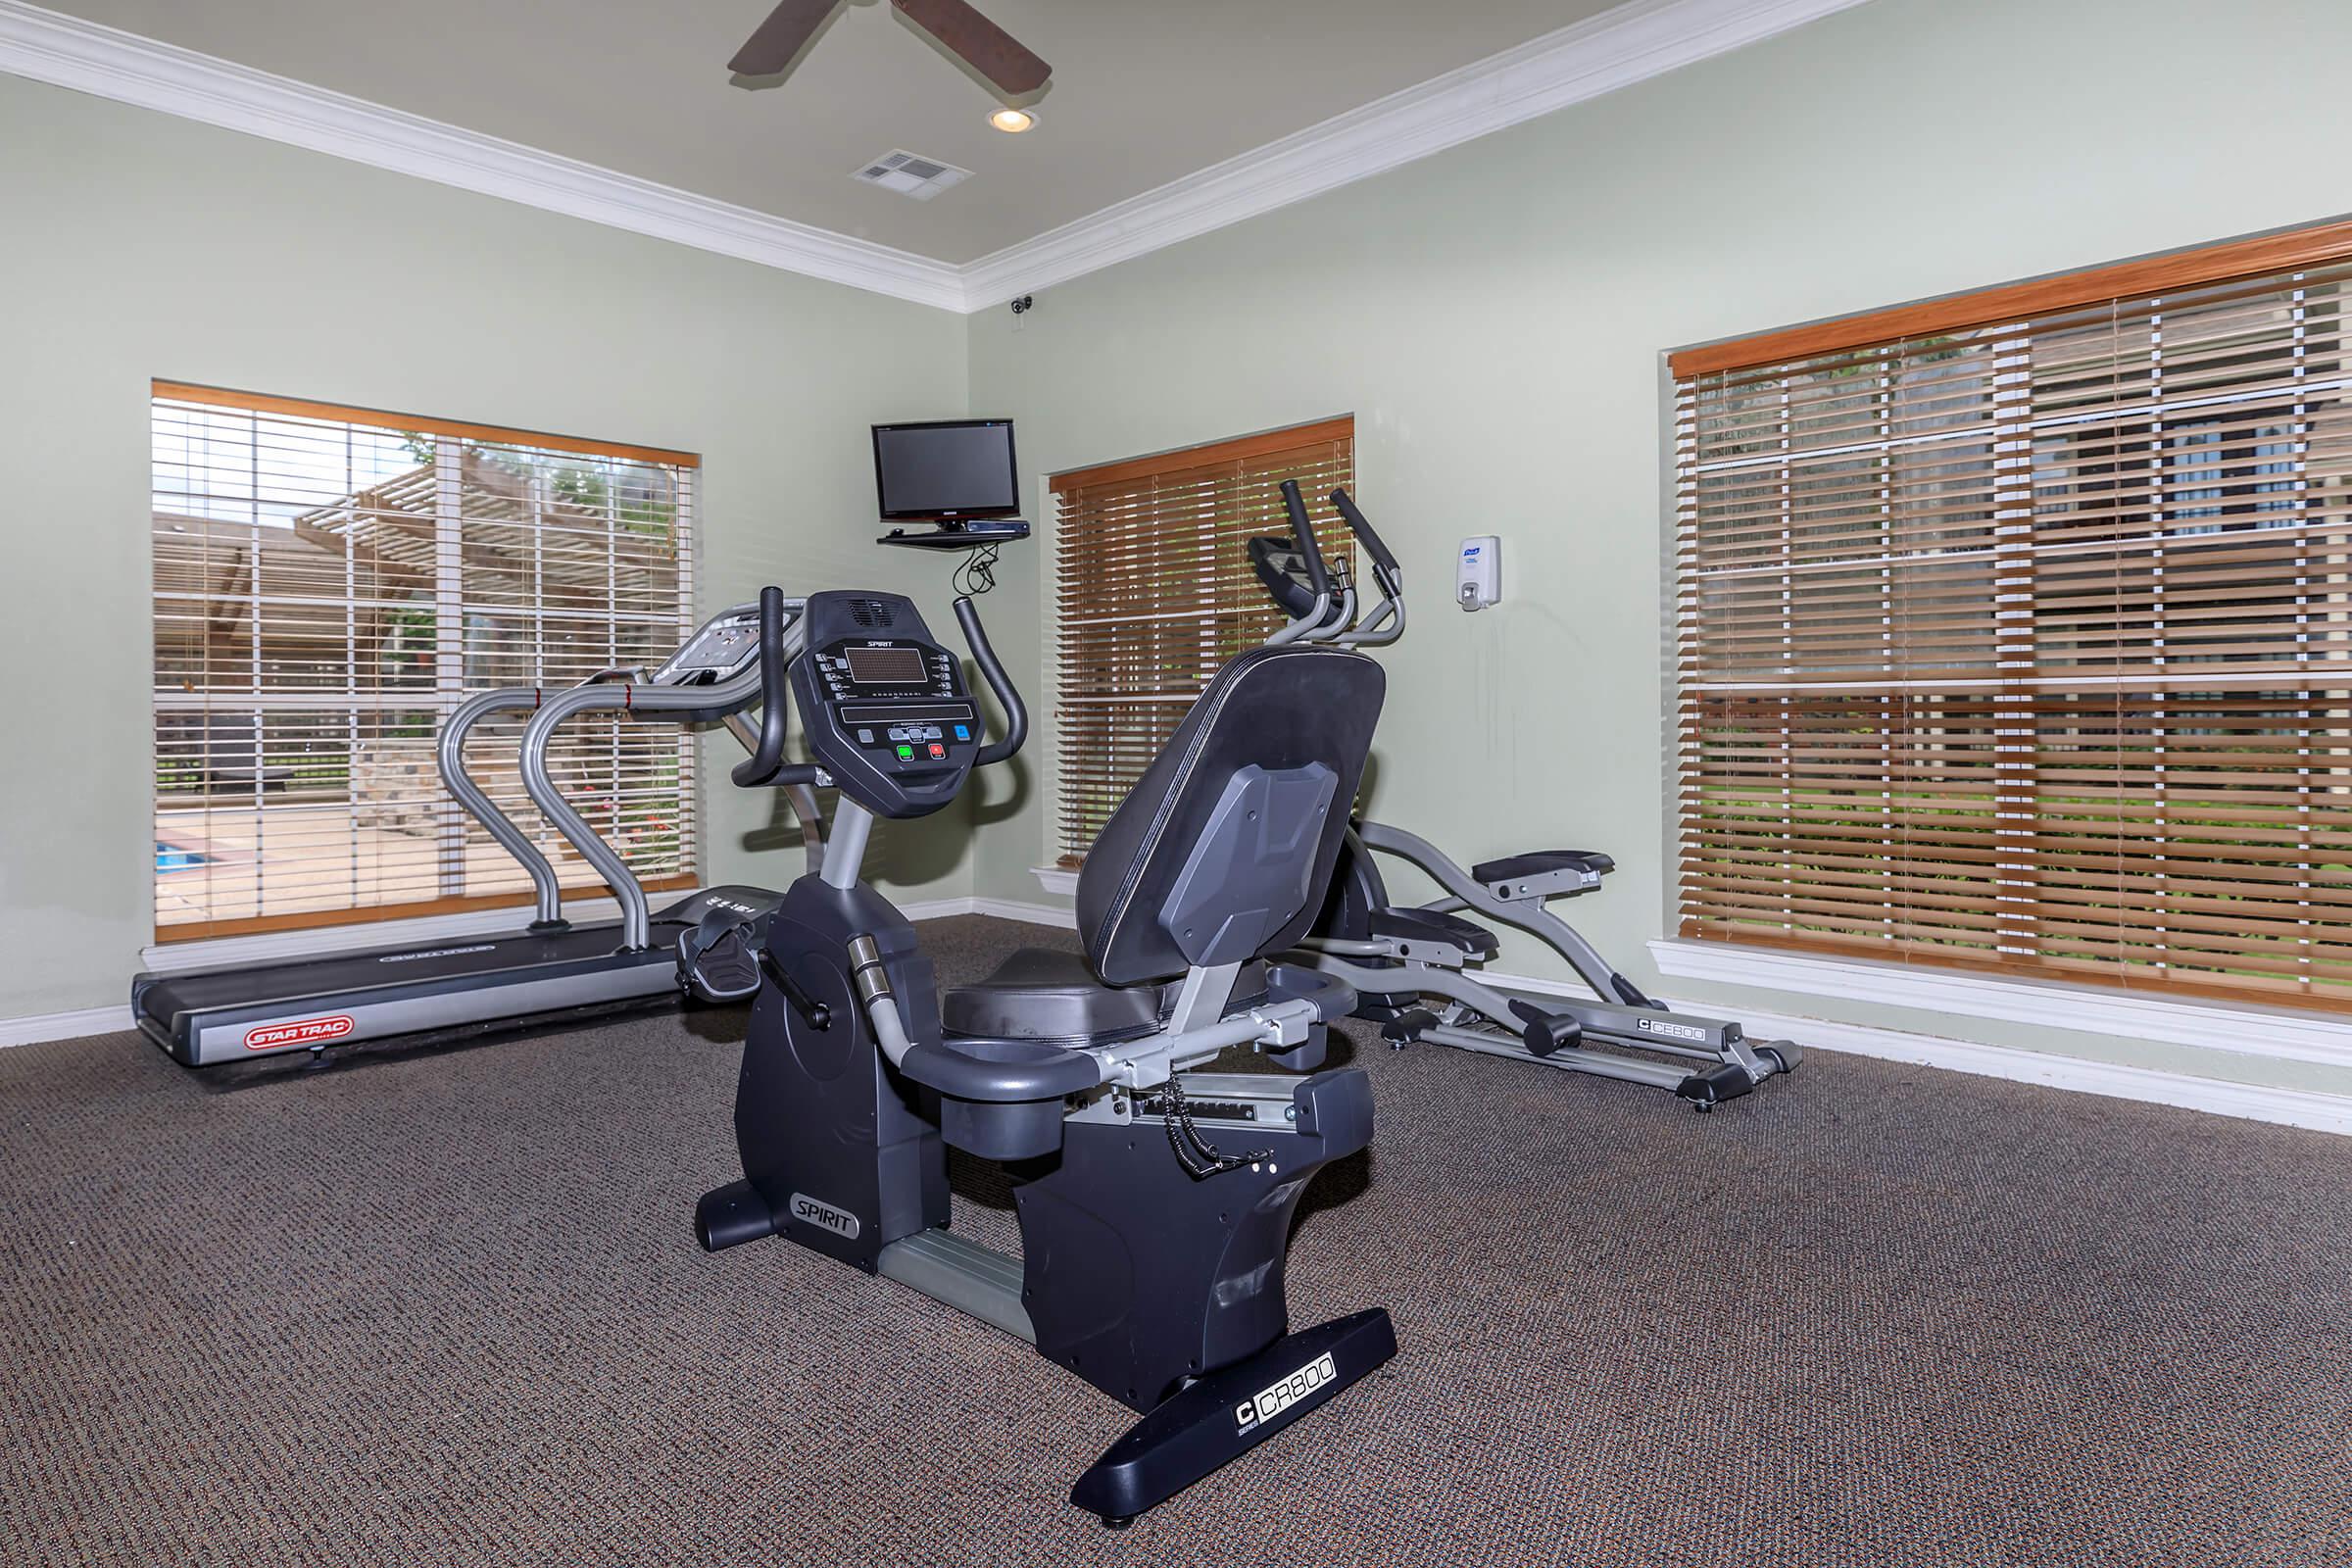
(952, 468)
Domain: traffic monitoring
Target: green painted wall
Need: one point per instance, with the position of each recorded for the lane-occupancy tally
(1495, 316)
(133, 245)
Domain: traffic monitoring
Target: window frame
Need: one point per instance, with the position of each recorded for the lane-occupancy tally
(2242, 450)
(1259, 462)
(447, 689)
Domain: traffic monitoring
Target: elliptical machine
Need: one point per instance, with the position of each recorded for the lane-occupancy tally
(1409, 964)
(1151, 1258)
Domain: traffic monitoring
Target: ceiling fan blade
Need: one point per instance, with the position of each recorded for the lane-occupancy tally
(983, 45)
(775, 43)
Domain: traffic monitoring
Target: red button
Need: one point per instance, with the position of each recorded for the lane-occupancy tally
(938, 750)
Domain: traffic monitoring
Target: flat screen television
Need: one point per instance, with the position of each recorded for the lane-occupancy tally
(946, 469)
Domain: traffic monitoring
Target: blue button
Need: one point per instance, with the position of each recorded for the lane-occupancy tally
(963, 732)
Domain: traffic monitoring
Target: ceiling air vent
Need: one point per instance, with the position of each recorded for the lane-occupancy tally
(919, 177)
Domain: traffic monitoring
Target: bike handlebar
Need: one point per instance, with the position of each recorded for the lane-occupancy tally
(1008, 697)
(766, 765)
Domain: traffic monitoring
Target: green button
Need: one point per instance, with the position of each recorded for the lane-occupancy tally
(906, 753)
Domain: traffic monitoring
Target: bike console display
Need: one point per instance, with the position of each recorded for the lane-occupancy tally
(884, 705)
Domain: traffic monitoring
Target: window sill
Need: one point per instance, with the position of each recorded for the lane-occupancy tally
(2243, 1029)
(1057, 880)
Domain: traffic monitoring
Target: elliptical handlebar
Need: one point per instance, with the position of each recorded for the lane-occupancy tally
(1332, 615)
(1318, 576)
(1009, 696)
(1386, 624)
(1384, 563)
(1313, 625)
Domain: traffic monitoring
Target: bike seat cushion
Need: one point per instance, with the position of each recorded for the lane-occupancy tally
(1046, 994)
(1542, 863)
(1427, 925)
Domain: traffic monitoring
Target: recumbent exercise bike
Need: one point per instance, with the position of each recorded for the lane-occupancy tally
(1152, 1256)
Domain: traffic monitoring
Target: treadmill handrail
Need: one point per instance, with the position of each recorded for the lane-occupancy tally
(449, 759)
(449, 756)
(636, 923)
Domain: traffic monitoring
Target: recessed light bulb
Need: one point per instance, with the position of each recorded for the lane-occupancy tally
(1013, 121)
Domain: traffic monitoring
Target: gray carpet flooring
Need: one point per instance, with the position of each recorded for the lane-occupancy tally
(446, 1309)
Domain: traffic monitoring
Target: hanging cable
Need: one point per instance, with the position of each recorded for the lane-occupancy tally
(1199, 1157)
(976, 573)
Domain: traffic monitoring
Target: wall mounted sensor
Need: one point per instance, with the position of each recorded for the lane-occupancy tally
(1478, 575)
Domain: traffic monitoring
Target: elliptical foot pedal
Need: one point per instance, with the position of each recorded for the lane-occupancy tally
(1406, 1027)
(730, 1215)
(1379, 1007)
(1225, 1414)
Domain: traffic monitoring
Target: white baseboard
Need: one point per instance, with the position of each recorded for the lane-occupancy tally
(935, 908)
(1034, 914)
(176, 957)
(2293, 1107)
(31, 1031)
(1000, 908)
(2249, 1028)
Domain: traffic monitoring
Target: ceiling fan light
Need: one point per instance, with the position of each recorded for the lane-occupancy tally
(1012, 121)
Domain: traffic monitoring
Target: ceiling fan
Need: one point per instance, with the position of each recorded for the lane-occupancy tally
(979, 42)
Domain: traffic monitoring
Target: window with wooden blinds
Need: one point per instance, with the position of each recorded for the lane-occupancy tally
(1153, 591)
(329, 583)
(2016, 629)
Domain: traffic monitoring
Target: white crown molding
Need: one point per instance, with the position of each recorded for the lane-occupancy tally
(2239, 1029)
(1630, 44)
(1618, 48)
(87, 57)
(2219, 1097)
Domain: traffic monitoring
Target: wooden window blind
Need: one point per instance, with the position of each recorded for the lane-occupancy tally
(2015, 630)
(329, 583)
(1154, 592)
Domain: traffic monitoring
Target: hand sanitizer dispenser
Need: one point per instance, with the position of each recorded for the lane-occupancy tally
(1478, 575)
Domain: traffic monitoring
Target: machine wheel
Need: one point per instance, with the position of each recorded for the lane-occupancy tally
(1784, 1055)
(1706, 1090)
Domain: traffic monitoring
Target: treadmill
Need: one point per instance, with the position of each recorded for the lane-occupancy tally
(549, 972)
